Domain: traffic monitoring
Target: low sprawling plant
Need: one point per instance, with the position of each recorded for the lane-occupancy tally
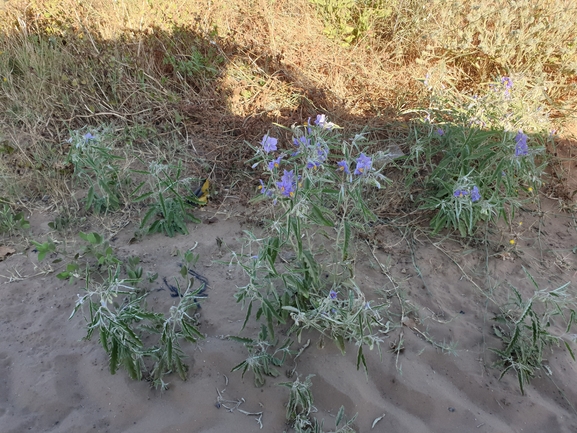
(478, 162)
(114, 306)
(349, 20)
(170, 198)
(300, 409)
(300, 405)
(263, 356)
(118, 312)
(302, 266)
(531, 327)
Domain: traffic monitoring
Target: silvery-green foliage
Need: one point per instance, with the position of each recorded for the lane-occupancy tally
(301, 268)
(526, 327)
(97, 167)
(475, 159)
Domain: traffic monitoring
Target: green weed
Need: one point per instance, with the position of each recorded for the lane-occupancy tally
(115, 308)
(349, 20)
(170, 199)
(99, 169)
(12, 222)
(260, 360)
(530, 327)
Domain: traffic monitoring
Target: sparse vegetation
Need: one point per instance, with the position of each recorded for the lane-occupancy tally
(448, 117)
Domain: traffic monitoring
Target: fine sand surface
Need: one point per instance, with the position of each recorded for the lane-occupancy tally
(53, 381)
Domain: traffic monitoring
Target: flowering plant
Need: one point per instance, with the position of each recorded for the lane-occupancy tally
(483, 165)
(301, 269)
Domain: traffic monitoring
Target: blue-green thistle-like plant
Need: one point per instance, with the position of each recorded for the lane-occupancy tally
(98, 168)
(302, 267)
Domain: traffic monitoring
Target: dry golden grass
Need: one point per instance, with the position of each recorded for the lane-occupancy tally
(222, 71)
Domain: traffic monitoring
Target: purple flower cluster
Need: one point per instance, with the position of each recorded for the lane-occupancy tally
(521, 147)
(364, 164)
(287, 184)
(298, 141)
(460, 193)
(508, 82)
(313, 164)
(474, 193)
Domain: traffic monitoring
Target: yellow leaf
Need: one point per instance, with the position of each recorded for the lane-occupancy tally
(202, 192)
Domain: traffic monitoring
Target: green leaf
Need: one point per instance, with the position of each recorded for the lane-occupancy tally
(340, 415)
(191, 333)
(273, 311)
(130, 365)
(361, 359)
(347, 240)
(521, 379)
(239, 366)
(569, 350)
(525, 312)
(180, 367)
(113, 363)
(319, 218)
(249, 310)
(340, 342)
(90, 197)
(104, 339)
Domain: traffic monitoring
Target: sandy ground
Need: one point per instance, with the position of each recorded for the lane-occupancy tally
(53, 381)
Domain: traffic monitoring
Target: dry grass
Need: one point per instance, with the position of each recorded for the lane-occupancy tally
(215, 73)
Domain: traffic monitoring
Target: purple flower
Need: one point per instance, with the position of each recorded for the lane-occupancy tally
(269, 143)
(313, 164)
(287, 184)
(507, 82)
(333, 294)
(322, 122)
(343, 166)
(508, 85)
(274, 163)
(89, 136)
(460, 193)
(364, 164)
(322, 153)
(263, 189)
(297, 141)
(475, 194)
(440, 131)
(521, 148)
